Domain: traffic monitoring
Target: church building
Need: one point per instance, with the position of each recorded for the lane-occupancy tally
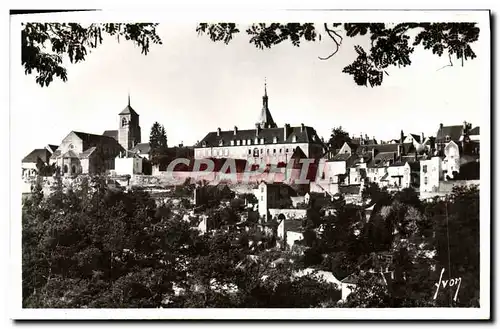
(84, 153)
(265, 144)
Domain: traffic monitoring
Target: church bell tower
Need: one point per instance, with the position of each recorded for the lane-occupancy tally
(129, 131)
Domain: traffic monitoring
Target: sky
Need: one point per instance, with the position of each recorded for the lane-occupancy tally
(192, 86)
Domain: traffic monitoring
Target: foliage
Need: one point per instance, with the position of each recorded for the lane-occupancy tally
(44, 45)
(338, 138)
(391, 44)
(89, 246)
(158, 144)
(456, 225)
(45, 169)
(249, 197)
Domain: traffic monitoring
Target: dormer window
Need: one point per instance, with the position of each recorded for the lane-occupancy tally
(275, 139)
(256, 141)
(244, 142)
(221, 142)
(262, 140)
(447, 138)
(204, 144)
(249, 142)
(294, 139)
(232, 143)
(238, 142)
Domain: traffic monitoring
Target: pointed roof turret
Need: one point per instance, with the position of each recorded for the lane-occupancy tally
(265, 119)
(128, 109)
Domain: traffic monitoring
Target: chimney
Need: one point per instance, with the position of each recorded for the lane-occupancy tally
(366, 138)
(235, 130)
(402, 137)
(302, 127)
(440, 126)
(422, 138)
(286, 130)
(373, 153)
(399, 150)
(257, 129)
(218, 131)
(466, 127)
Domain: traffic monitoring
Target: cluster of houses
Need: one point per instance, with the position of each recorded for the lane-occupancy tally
(412, 160)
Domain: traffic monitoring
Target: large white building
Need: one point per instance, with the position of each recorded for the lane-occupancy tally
(265, 144)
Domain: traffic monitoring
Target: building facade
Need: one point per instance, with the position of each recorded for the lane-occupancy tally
(264, 145)
(83, 153)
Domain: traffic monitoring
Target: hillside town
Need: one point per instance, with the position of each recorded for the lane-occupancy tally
(308, 199)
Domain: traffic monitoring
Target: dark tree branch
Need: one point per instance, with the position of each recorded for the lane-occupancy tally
(451, 63)
(337, 43)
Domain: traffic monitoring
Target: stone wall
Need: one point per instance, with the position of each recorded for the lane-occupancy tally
(446, 187)
(289, 213)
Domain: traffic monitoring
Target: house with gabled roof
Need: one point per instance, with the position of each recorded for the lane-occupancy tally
(32, 162)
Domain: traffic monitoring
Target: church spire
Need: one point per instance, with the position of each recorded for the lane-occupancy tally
(129, 98)
(265, 119)
(265, 99)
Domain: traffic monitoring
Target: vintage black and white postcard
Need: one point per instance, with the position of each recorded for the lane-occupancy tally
(281, 164)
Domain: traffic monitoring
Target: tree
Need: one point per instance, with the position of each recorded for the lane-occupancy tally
(158, 144)
(338, 138)
(391, 44)
(457, 241)
(44, 45)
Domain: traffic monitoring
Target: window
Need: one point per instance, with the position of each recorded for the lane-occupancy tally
(274, 151)
(124, 122)
(294, 139)
(249, 152)
(286, 151)
(221, 142)
(238, 142)
(261, 198)
(447, 138)
(275, 139)
(267, 151)
(204, 144)
(256, 141)
(71, 146)
(262, 140)
(262, 190)
(232, 143)
(261, 151)
(425, 180)
(65, 169)
(424, 168)
(281, 150)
